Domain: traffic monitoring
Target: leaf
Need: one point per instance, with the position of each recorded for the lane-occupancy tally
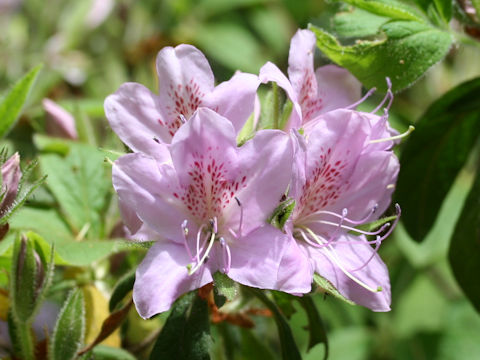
(80, 185)
(225, 286)
(70, 325)
(186, 334)
(406, 51)
(121, 289)
(434, 155)
(388, 8)
(285, 302)
(357, 23)
(464, 252)
(12, 104)
(244, 51)
(327, 287)
(103, 352)
(287, 342)
(316, 328)
(444, 8)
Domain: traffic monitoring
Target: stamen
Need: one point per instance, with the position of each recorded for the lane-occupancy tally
(241, 218)
(185, 242)
(367, 95)
(333, 256)
(156, 140)
(349, 228)
(354, 222)
(183, 119)
(227, 257)
(392, 138)
(214, 224)
(204, 257)
(333, 236)
(388, 95)
(199, 233)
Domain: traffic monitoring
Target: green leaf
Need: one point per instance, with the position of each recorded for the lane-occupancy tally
(244, 51)
(444, 8)
(316, 328)
(327, 287)
(103, 352)
(388, 8)
(287, 342)
(225, 286)
(404, 53)
(186, 334)
(285, 302)
(282, 213)
(464, 252)
(434, 155)
(476, 5)
(12, 104)
(121, 289)
(70, 325)
(52, 144)
(357, 23)
(80, 184)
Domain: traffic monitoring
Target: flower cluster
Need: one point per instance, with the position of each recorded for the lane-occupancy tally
(283, 207)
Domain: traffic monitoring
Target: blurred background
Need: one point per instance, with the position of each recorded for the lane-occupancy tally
(90, 47)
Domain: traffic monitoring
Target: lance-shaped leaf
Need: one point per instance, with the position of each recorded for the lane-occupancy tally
(464, 253)
(435, 153)
(69, 331)
(12, 104)
(186, 334)
(287, 342)
(121, 289)
(391, 8)
(404, 51)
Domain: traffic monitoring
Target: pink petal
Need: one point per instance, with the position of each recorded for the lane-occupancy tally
(257, 259)
(270, 72)
(163, 276)
(185, 78)
(134, 115)
(266, 161)
(352, 253)
(300, 63)
(147, 188)
(235, 98)
(337, 88)
(59, 121)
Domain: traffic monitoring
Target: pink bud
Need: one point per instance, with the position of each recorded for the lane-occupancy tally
(11, 175)
(59, 122)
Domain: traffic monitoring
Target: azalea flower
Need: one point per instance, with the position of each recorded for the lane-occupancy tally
(313, 92)
(209, 208)
(143, 120)
(344, 176)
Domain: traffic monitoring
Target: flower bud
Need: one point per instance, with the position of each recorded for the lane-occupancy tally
(11, 175)
(59, 122)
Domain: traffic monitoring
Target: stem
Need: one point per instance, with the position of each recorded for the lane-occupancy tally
(25, 340)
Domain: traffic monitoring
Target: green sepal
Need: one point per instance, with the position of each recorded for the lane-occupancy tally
(282, 213)
(69, 332)
(327, 287)
(224, 288)
(121, 289)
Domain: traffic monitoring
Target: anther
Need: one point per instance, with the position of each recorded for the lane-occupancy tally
(185, 242)
(183, 119)
(240, 224)
(156, 140)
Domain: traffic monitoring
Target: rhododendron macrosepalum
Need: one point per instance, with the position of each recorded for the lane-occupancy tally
(344, 176)
(209, 208)
(313, 92)
(186, 82)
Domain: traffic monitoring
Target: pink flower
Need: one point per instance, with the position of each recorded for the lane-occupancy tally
(344, 176)
(313, 92)
(143, 120)
(11, 174)
(59, 122)
(208, 209)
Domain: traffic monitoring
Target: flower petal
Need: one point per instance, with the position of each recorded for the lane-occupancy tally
(270, 72)
(256, 261)
(59, 122)
(147, 189)
(235, 98)
(185, 77)
(300, 62)
(336, 87)
(352, 252)
(163, 276)
(134, 115)
(266, 160)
